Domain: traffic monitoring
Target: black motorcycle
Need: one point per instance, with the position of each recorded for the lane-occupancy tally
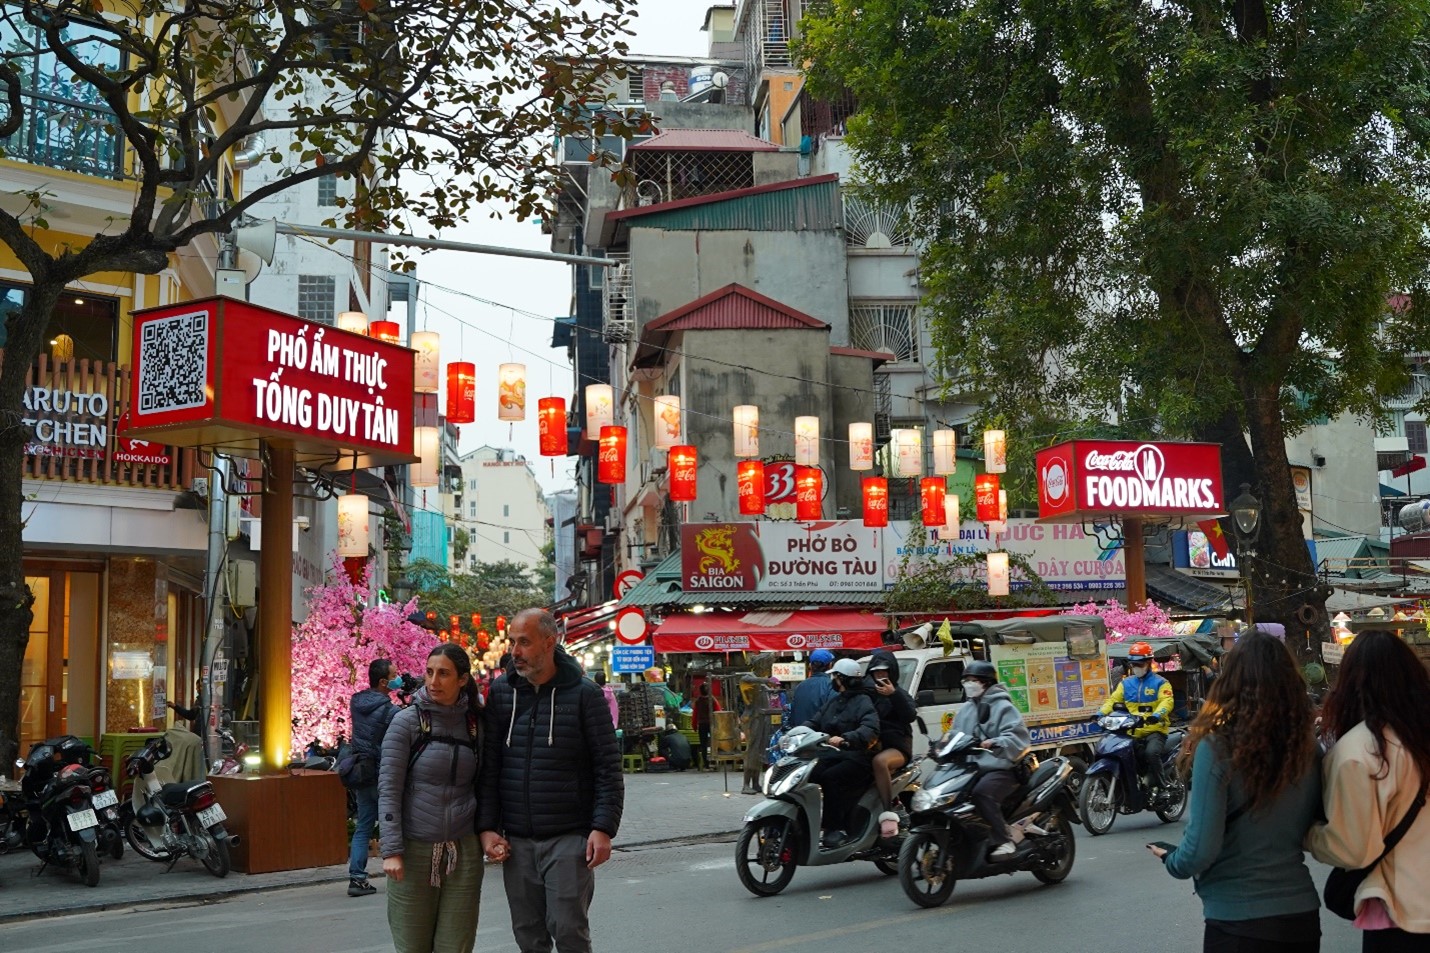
(61, 825)
(948, 841)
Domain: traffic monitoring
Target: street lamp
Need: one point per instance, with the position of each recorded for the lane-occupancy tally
(1246, 519)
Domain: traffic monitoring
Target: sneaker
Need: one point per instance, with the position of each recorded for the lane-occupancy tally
(1005, 849)
(360, 888)
(833, 839)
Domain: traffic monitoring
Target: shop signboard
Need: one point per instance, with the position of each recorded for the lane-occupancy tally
(1064, 555)
(788, 671)
(1332, 652)
(629, 659)
(1085, 479)
(837, 555)
(1044, 681)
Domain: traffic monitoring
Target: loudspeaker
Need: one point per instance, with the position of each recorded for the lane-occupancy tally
(260, 238)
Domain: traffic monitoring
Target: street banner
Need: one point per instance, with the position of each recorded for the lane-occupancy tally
(1065, 556)
(838, 555)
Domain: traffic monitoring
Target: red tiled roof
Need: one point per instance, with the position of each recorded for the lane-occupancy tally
(705, 140)
(733, 307)
(638, 210)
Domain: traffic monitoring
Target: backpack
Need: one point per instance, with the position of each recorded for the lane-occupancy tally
(425, 738)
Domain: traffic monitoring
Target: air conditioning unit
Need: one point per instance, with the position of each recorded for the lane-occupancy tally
(883, 428)
(659, 460)
(613, 523)
(646, 475)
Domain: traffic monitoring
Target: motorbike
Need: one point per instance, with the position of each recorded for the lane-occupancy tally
(948, 841)
(782, 832)
(173, 820)
(1115, 785)
(60, 823)
(229, 763)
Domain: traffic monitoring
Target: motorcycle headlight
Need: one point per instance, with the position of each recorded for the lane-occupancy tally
(931, 798)
(788, 743)
(791, 780)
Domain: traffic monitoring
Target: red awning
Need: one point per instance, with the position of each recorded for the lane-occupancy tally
(770, 631)
(582, 627)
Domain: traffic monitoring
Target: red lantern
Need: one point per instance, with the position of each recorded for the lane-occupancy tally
(389, 331)
(985, 496)
(751, 482)
(931, 491)
(551, 421)
(876, 501)
(461, 392)
(484, 640)
(611, 465)
(681, 462)
(431, 615)
(476, 621)
(456, 624)
(808, 493)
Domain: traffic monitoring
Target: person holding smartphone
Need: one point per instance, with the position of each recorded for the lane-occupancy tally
(1256, 790)
(897, 712)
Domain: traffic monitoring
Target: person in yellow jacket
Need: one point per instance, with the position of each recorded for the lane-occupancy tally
(1148, 694)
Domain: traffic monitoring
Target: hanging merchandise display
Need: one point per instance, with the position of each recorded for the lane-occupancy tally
(600, 408)
(908, 453)
(668, 428)
(998, 574)
(806, 441)
(747, 430)
(809, 493)
(354, 321)
(995, 451)
(427, 367)
(750, 477)
(611, 465)
(389, 331)
(945, 452)
(876, 501)
(861, 446)
(461, 392)
(511, 392)
(985, 497)
(353, 538)
(681, 465)
(427, 444)
(551, 425)
(931, 494)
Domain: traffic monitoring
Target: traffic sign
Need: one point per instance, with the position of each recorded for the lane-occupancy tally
(626, 581)
(630, 626)
(626, 659)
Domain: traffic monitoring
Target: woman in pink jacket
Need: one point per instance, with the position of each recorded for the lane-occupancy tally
(1378, 717)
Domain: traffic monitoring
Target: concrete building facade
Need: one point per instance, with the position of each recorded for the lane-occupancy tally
(503, 510)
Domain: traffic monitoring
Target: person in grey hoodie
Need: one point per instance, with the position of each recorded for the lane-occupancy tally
(989, 716)
(427, 804)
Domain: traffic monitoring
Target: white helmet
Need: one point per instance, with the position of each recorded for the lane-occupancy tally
(846, 667)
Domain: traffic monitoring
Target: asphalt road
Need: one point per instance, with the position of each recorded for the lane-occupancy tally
(686, 898)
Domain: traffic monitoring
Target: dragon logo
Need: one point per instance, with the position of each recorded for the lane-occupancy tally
(717, 544)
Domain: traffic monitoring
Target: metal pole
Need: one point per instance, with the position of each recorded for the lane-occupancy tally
(382, 238)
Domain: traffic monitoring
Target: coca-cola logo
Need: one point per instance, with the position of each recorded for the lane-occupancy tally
(611, 454)
(1055, 480)
(685, 474)
(1146, 461)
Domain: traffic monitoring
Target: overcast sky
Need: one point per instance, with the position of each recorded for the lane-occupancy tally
(664, 27)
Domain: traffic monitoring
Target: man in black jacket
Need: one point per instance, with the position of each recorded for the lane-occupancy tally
(371, 712)
(852, 723)
(551, 792)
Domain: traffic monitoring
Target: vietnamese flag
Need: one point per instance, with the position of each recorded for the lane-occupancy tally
(1215, 537)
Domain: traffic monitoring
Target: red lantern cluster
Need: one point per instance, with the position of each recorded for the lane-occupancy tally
(461, 392)
(389, 331)
(876, 501)
(551, 420)
(985, 496)
(681, 463)
(808, 493)
(751, 481)
(931, 491)
(611, 464)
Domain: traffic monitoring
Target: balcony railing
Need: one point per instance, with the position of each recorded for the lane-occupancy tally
(67, 134)
(74, 410)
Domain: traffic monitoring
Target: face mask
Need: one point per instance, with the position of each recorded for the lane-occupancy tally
(974, 689)
(1139, 670)
(394, 684)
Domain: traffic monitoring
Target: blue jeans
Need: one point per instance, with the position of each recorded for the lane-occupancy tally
(362, 831)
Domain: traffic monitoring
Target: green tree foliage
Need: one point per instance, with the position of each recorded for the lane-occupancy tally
(1198, 219)
(493, 589)
(435, 109)
(955, 583)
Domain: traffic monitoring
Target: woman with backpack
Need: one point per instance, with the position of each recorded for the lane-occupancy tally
(1378, 720)
(427, 811)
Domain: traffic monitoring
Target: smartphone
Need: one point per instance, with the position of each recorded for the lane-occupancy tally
(1163, 845)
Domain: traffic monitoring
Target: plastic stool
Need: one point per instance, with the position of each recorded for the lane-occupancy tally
(632, 763)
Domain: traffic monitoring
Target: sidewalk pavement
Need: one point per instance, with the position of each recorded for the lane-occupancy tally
(660, 808)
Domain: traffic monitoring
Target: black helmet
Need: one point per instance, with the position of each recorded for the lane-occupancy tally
(983, 671)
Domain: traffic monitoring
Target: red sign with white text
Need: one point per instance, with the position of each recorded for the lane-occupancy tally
(1085, 479)
(227, 373)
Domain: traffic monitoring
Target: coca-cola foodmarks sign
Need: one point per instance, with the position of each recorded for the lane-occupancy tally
(1090, 478)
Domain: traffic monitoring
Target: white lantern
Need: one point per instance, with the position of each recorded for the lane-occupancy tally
(667, 421)
(1003, 506)
(600, 408)
(426, 367)
(995, 451)
(945, 452)
(427, 445)
(997, 574)
(806, 441)
(908, 453)
(747, 431)
(352, 525)
(511, 392)
(354, 321)
(861, 446)
(951, 517)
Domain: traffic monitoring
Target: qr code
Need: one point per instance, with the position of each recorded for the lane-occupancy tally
(173, 363)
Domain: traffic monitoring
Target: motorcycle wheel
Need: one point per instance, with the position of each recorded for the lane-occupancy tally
(925, 871)
(754, 865)
(215, 857)
(1096, 805)
(140, 842)
(1174, 810)
(89, 863)
(1057, 872)
(116, 846)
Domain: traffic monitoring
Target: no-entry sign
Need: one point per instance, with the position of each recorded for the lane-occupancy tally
(630, 626)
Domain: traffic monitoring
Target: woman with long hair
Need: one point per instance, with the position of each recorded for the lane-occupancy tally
(427, 808)
(1251, 757)
(1377, 718)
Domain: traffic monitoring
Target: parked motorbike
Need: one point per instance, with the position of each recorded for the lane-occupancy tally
(1115, 785)
(229, 763)
(173, 820)
(782, 832)
(60, 823)
(949, 842)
